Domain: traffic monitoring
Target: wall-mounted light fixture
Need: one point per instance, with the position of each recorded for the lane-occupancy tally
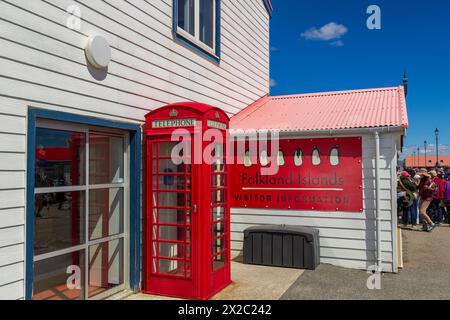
(98, 52)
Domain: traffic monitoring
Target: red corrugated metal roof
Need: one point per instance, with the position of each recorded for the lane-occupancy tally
(369, 108)
(419, 162)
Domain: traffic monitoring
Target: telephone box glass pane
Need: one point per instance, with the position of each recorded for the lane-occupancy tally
(219, 261)
(169, 233)
(60, 158)
(172, 216)
(172, 267)
(218, 213)
(218, 196)
(171, 199)
(173, 250)
(218, 180)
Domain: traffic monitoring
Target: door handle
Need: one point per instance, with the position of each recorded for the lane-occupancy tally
(195, 208)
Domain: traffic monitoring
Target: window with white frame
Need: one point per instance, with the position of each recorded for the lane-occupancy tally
(197, 21)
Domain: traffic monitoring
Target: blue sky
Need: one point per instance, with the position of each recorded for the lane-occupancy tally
(414, 36)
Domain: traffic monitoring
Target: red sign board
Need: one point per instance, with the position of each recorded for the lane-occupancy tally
(313, 174)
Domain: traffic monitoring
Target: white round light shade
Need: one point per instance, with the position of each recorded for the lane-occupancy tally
(98, 52)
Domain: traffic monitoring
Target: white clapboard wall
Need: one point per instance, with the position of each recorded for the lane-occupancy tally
(42, 64)
(346, 239)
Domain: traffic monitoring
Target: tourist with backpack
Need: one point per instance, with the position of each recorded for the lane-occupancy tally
(409, 200)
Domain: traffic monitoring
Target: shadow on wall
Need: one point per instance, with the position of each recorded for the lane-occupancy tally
(97, 74)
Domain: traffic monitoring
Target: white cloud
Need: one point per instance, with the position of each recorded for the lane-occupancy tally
(274, 49)
(338, 43)
(330, 31)
(273, 83)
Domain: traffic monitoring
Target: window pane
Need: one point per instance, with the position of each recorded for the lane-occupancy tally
(218, 196)
(172, 199)
(207, 22)
(105, 266)
(105, 213)
(60, 158)
(219, 262)
(218, 213)
(172, 233)
(186, 16)
(173, 216)
(174, 268)
(60, 278)
(174, 250)
(106, 159)
(59, 221)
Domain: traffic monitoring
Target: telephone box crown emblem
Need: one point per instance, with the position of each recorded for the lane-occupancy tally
(217, 116)
(173, 113)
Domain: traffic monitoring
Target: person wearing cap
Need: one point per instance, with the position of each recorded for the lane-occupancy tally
(437, 205)
(426, 190)
(408, 201)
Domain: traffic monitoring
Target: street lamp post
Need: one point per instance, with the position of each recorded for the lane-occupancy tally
(414, 159)
(426, 163)
(436, 132)
(418, 157)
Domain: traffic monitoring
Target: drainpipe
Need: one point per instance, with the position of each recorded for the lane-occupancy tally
(377, 198)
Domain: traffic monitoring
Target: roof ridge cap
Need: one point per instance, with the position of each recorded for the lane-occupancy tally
(331, 93)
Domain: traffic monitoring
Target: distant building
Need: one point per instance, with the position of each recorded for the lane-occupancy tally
(426, 162)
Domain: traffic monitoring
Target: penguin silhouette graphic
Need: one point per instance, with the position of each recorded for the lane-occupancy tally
(334, 156)
(247, 159)
(280, 158)
(298, 158)
(316, 157)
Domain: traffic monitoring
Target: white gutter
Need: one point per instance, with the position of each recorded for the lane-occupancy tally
(242, 133)
(377, 199)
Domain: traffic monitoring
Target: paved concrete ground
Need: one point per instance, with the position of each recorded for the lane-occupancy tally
(249, 283)
(426, 274)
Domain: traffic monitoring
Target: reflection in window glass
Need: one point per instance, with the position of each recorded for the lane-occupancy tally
(105, 266)
(207, 22)
(59, 221)
(60, 158)
(186, 15)
(170, 233)
(105, 213)
(178, 268)
(173, 250)
(173, 216)
(56, 278)
(106, 159)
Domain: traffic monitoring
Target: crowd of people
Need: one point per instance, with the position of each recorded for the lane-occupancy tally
(423, 198)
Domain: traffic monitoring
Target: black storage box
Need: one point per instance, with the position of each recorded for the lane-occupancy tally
(282, 246)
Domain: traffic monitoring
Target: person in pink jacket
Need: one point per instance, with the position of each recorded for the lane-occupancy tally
(447, 198)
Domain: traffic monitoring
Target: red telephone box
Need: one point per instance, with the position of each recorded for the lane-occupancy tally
(187, 212)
